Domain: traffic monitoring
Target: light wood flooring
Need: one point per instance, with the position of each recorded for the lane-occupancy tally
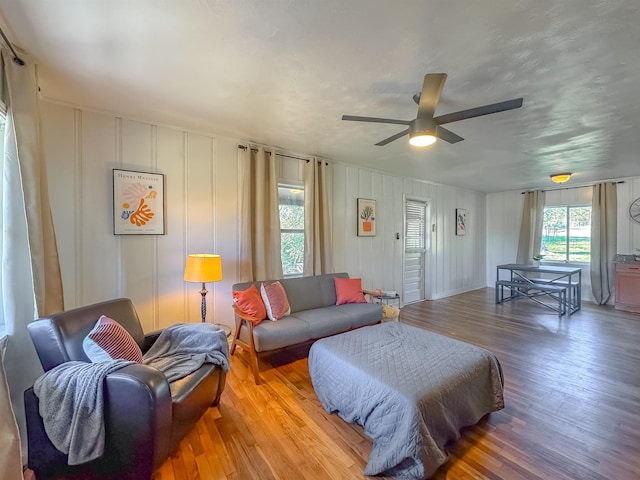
(572, 395)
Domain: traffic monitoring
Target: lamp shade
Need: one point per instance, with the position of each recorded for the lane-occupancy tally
(203, 267)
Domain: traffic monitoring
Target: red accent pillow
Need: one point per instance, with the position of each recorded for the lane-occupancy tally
(275, 300)
(250, 303)
(108, 340)
(349, 290)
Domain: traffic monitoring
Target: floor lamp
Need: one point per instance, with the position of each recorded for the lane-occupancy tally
(202, 268)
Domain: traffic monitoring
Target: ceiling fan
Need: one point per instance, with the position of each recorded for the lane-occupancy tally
(424, 129)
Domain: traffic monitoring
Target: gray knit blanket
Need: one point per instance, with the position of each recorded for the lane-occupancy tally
(71, 394)
(184, 347)
(72, 406)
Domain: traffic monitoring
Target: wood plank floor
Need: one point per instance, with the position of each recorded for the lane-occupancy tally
(572, 395)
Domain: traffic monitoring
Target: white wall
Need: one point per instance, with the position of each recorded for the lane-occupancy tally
(201, 175)
(455, 264)
(81, 149)
(505, 212)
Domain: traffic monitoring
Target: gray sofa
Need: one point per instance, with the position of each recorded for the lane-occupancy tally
(314, 315)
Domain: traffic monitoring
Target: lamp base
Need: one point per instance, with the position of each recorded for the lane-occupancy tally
(203, 305)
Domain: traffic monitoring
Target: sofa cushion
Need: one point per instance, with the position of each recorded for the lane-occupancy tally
(273, 335)
(349, 290)
(275, 300)
(250, 302)
(108, 340)
(361, 314)
(325, 321)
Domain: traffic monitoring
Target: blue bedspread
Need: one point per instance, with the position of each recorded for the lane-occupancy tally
(412, 390)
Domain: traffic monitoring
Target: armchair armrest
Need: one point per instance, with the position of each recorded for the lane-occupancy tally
(149, 339)
(137, 429)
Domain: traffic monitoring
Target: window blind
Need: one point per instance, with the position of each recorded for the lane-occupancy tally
(415, 225)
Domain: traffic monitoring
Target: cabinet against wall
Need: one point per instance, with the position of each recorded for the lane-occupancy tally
(628, 287)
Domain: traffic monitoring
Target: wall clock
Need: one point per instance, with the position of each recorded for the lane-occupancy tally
(634, 210)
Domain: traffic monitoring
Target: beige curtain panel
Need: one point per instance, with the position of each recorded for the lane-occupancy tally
(32, 283)
(318, 248)
(260, 223)
(531, 227)
(604, 214)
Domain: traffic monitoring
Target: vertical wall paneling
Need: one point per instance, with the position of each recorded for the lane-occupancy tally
(339, 207)
(99, 252)
(226, 225)
(137, 252)
(81, 149)
(378, 260)
(200, 211)
(171, 254)
(153, 144)
(504, 214)
(119, 239)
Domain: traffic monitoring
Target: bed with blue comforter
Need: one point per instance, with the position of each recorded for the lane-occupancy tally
(410, 389)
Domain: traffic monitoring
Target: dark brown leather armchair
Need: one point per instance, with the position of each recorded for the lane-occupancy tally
(145, 416)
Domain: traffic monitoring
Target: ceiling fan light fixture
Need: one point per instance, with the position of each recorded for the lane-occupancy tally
(422, 132)
(560, 177)
(421, 139)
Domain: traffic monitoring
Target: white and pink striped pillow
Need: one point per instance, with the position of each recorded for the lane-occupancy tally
(275, 300)
(108, 340)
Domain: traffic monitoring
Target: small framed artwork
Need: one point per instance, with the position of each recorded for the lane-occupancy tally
(461, 221)
(366, 217)
(138, 203)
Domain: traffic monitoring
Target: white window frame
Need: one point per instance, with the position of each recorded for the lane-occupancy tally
(291, 230)
(566, 260)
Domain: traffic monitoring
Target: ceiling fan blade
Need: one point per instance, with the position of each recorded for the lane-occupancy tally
(382, 143)
(447, 135)
(479, 111)
(430, 94)
(355, 118)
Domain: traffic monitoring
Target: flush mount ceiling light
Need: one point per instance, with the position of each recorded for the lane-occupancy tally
(560, 177)
(422, 132)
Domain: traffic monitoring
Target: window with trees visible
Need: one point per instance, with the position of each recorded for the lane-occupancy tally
(291, 206)
(566, 234)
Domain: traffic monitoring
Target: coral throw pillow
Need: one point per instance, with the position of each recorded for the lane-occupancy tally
(108, 340)
(349, 290)
(250, 303)
(275, 300)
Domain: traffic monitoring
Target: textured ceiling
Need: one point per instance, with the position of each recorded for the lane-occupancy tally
(283, 73)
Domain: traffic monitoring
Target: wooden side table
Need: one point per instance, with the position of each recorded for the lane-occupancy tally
(225, 328)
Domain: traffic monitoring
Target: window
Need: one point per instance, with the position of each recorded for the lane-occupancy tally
(291, 206)
(566, 234)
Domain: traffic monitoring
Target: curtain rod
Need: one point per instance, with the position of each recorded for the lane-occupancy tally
(16, 59)
(570, 188)
(243, 147)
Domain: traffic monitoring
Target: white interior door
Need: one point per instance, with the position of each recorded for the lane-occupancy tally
(416, 214)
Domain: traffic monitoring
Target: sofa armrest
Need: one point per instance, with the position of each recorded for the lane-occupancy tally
(137, 429)
(239, 313)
